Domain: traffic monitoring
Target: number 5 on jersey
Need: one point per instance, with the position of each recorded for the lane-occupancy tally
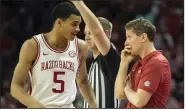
(61, 82)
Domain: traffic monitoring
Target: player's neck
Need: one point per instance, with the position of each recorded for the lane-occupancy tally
(147, 49)
(95, 53)
(55, 41)
(56, 37)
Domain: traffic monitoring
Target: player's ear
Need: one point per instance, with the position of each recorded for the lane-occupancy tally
(59, 22)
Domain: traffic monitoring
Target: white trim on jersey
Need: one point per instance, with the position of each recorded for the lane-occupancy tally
(38, 51)
(54, 50)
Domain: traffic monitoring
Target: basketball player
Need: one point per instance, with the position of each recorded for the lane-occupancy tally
(148, 83)
(53, 60)
(104, 68)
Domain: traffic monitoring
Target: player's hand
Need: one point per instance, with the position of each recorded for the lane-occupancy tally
(93, 105)
(39, 105)
(42, 106)
(126, 54)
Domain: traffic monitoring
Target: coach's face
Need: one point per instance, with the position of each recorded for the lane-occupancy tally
(88, 39)
(69, 28)
(134, 41)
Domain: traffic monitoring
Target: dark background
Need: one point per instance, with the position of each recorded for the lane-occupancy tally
(20, 20)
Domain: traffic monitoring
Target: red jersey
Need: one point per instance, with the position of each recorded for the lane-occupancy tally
(153, 75)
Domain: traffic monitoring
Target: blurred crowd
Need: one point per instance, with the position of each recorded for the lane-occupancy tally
(20, 20)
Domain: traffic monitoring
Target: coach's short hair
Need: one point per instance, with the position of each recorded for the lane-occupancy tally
(140, 26)
(63, 10)
(106, 24)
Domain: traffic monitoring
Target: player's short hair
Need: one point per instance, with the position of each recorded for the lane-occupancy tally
(64, 10)
(140, 26)
(106, 24)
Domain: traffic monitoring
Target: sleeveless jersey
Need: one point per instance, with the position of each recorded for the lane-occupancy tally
(53, 74)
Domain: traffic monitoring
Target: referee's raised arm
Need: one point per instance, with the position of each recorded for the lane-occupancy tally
(101, 40)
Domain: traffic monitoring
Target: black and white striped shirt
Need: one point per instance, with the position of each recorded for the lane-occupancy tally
(102, 75)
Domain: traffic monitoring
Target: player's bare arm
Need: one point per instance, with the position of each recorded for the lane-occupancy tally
(121, 78)
(139, 98)
(82, 80)
(27, 56)
(101, 40)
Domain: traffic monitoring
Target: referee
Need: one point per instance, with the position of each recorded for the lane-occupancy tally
(104, 68)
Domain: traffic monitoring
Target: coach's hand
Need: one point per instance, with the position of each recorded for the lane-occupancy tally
(128, 83)
(126, 54)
